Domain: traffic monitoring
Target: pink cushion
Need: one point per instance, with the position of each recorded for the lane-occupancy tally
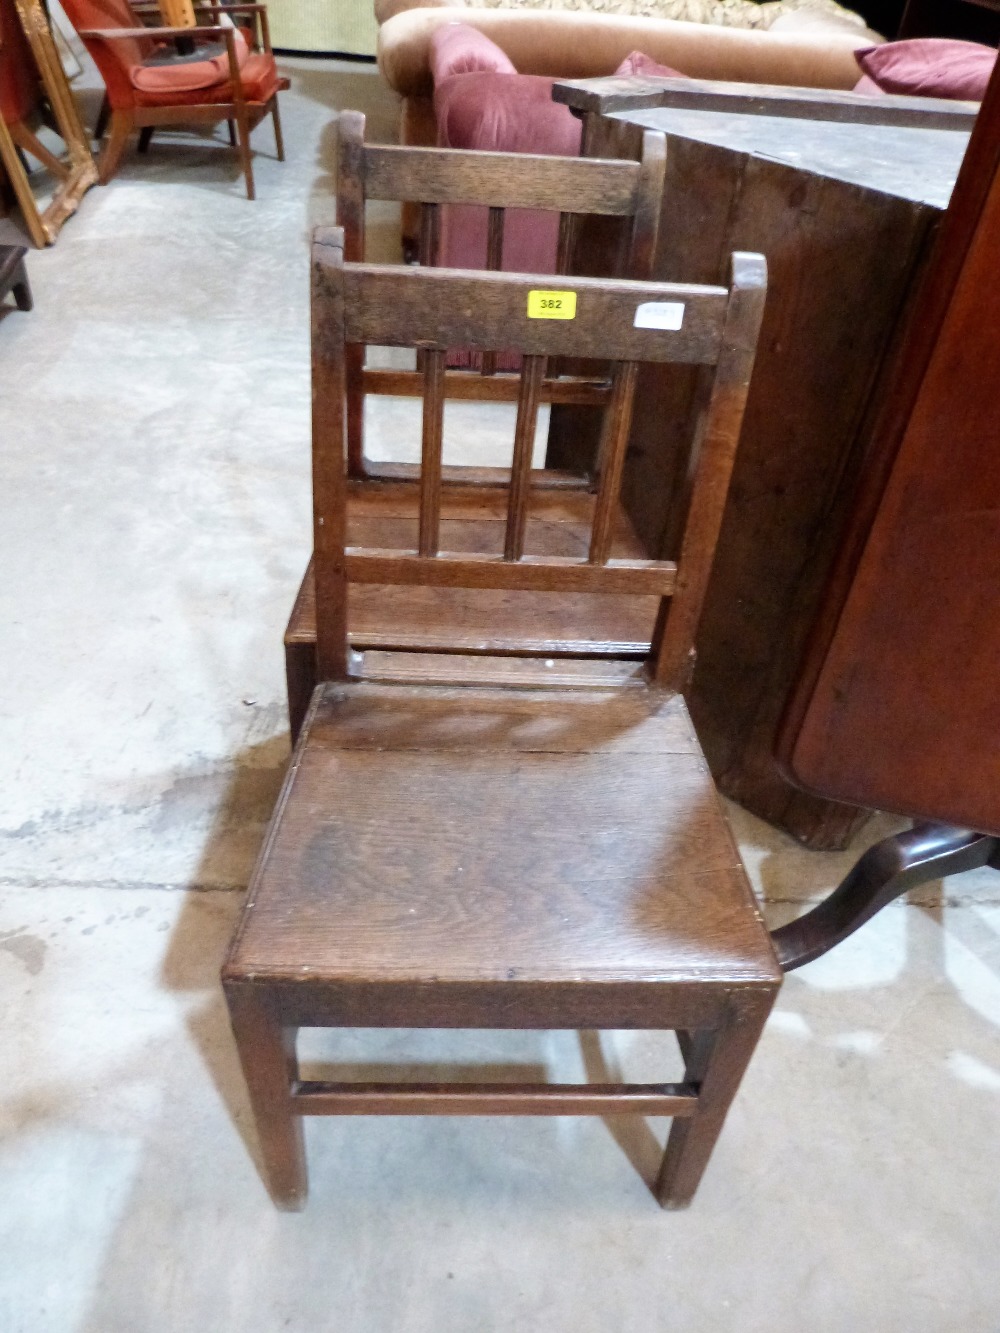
(504, 113)
(189, 77)
(638, 63)
(458, 48)
(868, 87)
(930, 67)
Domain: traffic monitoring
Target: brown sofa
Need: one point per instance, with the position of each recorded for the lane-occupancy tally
(801, 49)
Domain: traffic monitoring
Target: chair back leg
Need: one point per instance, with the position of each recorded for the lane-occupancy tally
(243, 136)
(279, 142)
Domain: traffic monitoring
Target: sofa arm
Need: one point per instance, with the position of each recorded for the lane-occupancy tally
(387, 9)
(575, 45)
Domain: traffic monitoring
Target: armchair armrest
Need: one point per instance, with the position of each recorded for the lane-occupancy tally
(118, 34)
(261, 27)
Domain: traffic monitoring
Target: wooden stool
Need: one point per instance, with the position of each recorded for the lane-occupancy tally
(506, 842)
(14, 275)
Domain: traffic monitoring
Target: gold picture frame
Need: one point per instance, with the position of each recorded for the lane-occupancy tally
(76, 175)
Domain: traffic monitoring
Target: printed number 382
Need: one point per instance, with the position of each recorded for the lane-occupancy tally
(551, 305)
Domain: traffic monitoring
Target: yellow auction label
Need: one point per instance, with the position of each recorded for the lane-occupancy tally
(552, 305)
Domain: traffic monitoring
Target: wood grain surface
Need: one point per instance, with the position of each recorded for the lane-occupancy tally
(574, 841)
(604, 96)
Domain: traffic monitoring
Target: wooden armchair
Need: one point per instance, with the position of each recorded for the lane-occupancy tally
(506, 842)
(240, 87)
(628, 195)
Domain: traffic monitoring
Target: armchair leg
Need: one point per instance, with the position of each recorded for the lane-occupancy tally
(102, 119)
(278, 140)
(243, 134)
(231, 124)
(145, 138)
(121, 128)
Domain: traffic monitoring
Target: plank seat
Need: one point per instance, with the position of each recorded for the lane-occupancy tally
(526, 844)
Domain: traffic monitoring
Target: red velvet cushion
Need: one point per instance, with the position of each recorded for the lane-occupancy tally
(259, 78)
(930, 67)
(190, 75)
(638, 63)
(868, 87)
(458, 48)
(504, 113)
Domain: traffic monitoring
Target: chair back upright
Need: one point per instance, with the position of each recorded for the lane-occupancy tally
(434, 178)
(623, 322)
(115, 60)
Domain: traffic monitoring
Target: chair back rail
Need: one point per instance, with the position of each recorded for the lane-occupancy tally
(432, 177)
(624, 322)
(439, 307)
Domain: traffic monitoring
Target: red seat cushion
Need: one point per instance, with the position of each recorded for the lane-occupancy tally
(189, 75)
(259, 77)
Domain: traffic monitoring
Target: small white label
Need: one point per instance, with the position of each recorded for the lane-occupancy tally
(660, 315)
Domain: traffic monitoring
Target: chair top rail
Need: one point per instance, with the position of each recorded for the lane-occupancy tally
(601, 318)
(502, 180)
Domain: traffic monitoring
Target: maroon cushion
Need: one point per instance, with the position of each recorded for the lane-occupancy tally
(638, 63)
(868, 87)
(930, 67)
(503, 113)
(458, 48)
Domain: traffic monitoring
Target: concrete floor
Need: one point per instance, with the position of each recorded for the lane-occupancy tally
(154, 427)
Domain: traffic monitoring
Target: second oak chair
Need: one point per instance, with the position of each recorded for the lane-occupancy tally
(437, 178)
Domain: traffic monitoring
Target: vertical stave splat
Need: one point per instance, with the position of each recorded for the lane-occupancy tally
(532, 376)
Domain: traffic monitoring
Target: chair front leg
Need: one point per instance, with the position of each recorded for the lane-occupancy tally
(716, 1060)
(121, 128)
(267, 1054)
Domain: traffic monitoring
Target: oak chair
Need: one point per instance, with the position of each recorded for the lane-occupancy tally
(472, 841)
(626, 191)
(240, 86)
